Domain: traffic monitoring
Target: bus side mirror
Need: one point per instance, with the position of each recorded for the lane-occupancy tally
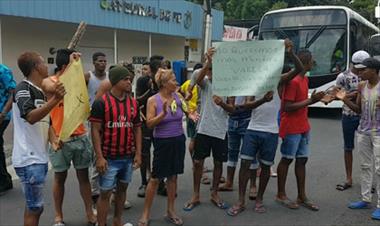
(377, 12)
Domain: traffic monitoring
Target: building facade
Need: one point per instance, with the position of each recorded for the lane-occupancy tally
(125, 30)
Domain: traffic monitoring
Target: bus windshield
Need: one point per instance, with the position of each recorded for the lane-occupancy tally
(328, 46)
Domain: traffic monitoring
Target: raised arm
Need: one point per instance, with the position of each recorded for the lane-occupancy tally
(253, 103)
(286, 77)
(206, 66)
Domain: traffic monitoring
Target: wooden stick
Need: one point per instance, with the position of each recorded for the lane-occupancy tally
(77, 36)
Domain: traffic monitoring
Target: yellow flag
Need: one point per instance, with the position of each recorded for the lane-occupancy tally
(76, 101)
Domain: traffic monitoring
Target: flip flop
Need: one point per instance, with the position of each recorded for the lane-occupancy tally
(224, 188)
(205, 180)
(174, 220)
(287, 203)
(252, 195)
(221, 205)
(235, 210)
(343, 186)
(143, 223)
(59, 223)
(189, 206)
(307, 203)
(260, 208)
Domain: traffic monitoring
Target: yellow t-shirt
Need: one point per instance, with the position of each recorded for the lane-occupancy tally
(193, 101)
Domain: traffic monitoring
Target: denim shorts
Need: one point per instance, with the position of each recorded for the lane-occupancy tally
(236, 132)
(295, 146)
(349, 126)
(260, 147)
(118, 170)
(32, 179)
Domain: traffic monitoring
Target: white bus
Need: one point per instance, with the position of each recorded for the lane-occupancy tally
(331, 33)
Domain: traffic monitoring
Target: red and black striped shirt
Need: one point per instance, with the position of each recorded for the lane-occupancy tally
(118, 119)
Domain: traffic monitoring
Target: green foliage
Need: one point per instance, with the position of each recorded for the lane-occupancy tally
(255, 9)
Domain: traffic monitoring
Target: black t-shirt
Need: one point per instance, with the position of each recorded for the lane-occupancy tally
(143, 85)
(28, 97)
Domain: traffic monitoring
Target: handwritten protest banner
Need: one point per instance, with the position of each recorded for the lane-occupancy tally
(247, 68)
(76, 100)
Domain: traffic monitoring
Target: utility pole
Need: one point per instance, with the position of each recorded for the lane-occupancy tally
(208, 26)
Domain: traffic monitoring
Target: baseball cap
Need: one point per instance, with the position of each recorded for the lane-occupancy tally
(369, 63)
(359, 56)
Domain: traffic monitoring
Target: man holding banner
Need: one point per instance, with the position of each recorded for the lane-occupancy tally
(211, 135)
(261, 138)
(75, 149)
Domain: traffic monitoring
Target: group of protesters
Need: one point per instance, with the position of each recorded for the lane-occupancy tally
(123, 125)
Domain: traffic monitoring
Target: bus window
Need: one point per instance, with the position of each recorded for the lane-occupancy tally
(327, 47)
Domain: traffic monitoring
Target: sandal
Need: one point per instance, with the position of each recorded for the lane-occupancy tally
(59, 223)
(260, 208)
(205, 180)
(307, 203)
(252, 195)
(287, 203)
(174, 220)
(143, 223)
(220, 204)
(189, 206)
(235, 210)
(225, 188)
(343, 186)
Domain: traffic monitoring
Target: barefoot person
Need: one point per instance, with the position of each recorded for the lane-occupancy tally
(261, 138)
(31, 124)
(368, 105)
(114, 135)
(76, 150)
(349, 81)
(295, 132)
(165, 111)
(211, 136)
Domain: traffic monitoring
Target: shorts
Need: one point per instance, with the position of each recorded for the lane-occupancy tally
(236, 132)
(349, 126)
(295, 146)
(78, 150)
(32, 179)
(191, 128)
(118, 170)
(260, 147)
(168, 156)
(205, 144)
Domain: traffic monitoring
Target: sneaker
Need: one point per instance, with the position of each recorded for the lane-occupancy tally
(141, 192)
(127, 224)
(360, 205)
(127, 204)
(376, 214)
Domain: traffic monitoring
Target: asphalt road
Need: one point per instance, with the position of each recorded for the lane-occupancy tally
(324, 170)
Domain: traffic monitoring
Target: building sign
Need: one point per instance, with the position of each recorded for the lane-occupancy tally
(131, 8)
(232, 33)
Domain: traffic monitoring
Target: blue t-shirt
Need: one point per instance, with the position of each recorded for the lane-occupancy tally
(7, 83)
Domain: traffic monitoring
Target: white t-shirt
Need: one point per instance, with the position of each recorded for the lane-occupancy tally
(30, 141)
(264, 117)
(214, 119)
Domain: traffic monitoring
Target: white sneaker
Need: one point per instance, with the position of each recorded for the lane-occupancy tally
(94, 211)
(127, 224)
(127, 205)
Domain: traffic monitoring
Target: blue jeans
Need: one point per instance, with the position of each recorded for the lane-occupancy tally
(32, 179)
(295, 146)
(260, 147)
(236, 132)
(349, 126)
(118, 170)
